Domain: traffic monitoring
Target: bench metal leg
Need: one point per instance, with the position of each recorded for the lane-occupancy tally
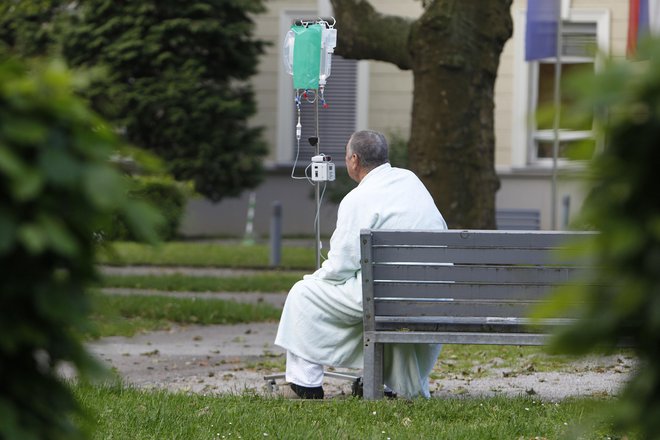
(271, 381)
(373, 370)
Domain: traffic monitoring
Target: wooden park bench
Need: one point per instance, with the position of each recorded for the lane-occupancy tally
(456, 287)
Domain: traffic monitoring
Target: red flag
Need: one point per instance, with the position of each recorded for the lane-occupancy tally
(633, 27)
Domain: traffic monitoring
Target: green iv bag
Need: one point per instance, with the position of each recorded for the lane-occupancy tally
(307, 56)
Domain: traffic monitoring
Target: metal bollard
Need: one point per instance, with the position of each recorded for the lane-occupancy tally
(566, 201)
(276, 234)
(248, 239)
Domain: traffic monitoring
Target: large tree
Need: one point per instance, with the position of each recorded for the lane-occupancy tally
(175, 83)
(29, 27)
(453, 50)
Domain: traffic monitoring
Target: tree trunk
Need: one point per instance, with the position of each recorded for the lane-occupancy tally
(454, 50)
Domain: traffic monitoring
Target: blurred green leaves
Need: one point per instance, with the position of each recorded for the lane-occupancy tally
(58, 187)
(622, 297)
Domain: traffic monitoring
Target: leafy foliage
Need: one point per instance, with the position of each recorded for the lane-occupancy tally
(162, 192)
(29, 27)
(173, 83)
(168, 74)
(622, 298)
(57, 188)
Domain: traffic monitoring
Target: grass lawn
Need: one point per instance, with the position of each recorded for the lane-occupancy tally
(127, 315)
(116, 412)
(204, 255)
(119, 412)
(261, 282)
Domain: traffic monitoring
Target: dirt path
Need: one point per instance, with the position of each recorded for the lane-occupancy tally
(234, 359)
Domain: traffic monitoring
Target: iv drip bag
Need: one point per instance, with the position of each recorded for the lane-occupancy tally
(287, 55)
(306, 56)
(328, 44)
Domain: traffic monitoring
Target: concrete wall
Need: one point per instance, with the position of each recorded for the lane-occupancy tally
(228, 218)
(533, 190)
(529, 190)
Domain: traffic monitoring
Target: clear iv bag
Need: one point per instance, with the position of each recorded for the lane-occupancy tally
(287, 53)
(329, 41)
(310, 64)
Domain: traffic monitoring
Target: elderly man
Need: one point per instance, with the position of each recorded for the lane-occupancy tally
(321, 322)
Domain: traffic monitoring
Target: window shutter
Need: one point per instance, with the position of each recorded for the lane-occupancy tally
(578, 39)
(337, 122)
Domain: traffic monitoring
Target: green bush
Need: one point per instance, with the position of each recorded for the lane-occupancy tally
(57, 187)
(176, 79)
(177, 83)
(162, 192)
(622, 298)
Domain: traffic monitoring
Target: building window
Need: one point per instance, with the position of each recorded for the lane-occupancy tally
(585, 36)
(579, 46)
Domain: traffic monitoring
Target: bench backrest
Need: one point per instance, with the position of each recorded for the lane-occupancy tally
(457, 279)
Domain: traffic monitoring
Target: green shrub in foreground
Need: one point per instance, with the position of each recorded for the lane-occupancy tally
(622, 298)
(56, 189)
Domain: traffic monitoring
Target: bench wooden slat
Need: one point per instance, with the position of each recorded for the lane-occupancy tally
(455, 308)
(477, 238)
(461, 290)
(492, 274)
(467, 324)
(458, 338)
(493, 255)
(490, 320)
(465, 328)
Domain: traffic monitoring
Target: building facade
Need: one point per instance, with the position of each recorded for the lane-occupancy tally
(376, 95)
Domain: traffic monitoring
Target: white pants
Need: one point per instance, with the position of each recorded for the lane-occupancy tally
(302, 372)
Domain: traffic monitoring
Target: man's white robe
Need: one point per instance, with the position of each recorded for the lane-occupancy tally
(322, 318)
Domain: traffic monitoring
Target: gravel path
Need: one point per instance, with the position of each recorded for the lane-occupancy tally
(234, 359)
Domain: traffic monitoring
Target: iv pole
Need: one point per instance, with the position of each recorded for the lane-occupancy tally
(326, 43)
(317, 190)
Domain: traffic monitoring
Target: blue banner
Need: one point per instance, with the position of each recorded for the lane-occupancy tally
(541, 30)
